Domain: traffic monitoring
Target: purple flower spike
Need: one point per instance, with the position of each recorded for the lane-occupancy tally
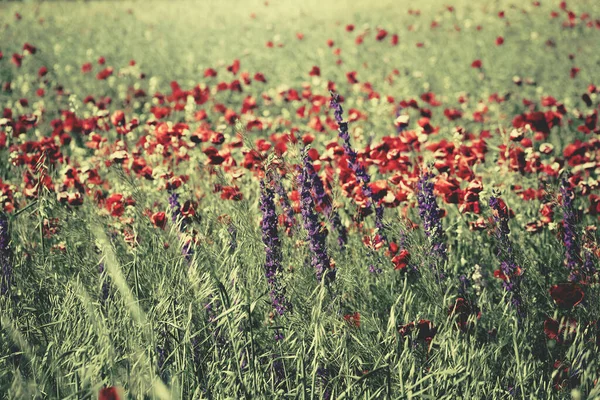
(572, 247)
(358, 169)
(431, 215)
(272, 243)
(5, 256)
(288, 211)
(323, 200)
(508, 266)
(316, 235)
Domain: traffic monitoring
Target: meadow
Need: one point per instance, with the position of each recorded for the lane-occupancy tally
(300, 200)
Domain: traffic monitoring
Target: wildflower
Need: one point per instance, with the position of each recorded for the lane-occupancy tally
(324, 201)
(316, 234)
(359, 170)
(431, 215)
(5, 256)
(570, 239)
(567, 295)
(272, 248)
(111, 393)
(288, 211)
(511, 272)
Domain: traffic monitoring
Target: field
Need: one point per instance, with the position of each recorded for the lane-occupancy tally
(300, 200)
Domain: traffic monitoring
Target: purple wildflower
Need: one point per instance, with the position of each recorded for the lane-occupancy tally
(175, 207)
(431, 215)
(288, 211)
(5, 256)
(320, 259)
(272, 248)
(323, 200)
(508, 266)
(358, 169)
(573, 258)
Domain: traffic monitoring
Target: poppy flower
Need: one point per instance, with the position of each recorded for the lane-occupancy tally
(351, 76)
(234, 67)
(105, 73)
(381, 34)
(499, 41)
(560, 331)
(259, 77)
(17, 60)
(159, 220)
(567, 295)
(476, 64)
(462, 309)
(42, 72)
(110, 393)
(28, 48)
(353, 319)
(349, 28)
(401, 260)
(573, 73)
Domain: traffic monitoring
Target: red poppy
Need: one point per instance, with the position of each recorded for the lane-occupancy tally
(351, 76)
(28, 48)
(17, 60)
(159, 220)
(476, 64)
(560, 331)
(353, 319)
(567, 295)
(462, 310)
(499, 41)
(105, 73)
(401, 260)
(110, 393)
(381, 34)
(235, 67)
(315, 71)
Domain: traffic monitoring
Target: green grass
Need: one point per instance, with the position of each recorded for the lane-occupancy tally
(59, 340)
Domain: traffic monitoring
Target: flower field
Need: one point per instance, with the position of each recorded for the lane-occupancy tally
(300, 200)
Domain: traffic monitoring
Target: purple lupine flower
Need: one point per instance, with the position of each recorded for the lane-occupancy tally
(358, 169)
(316, 236)
(5, 256)
(288, 211)
(232, 230)
(431, 215)
(573, 250)
(272, 243)
(175, 207)
(508, 266)
(105, 283)
(323, 200)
